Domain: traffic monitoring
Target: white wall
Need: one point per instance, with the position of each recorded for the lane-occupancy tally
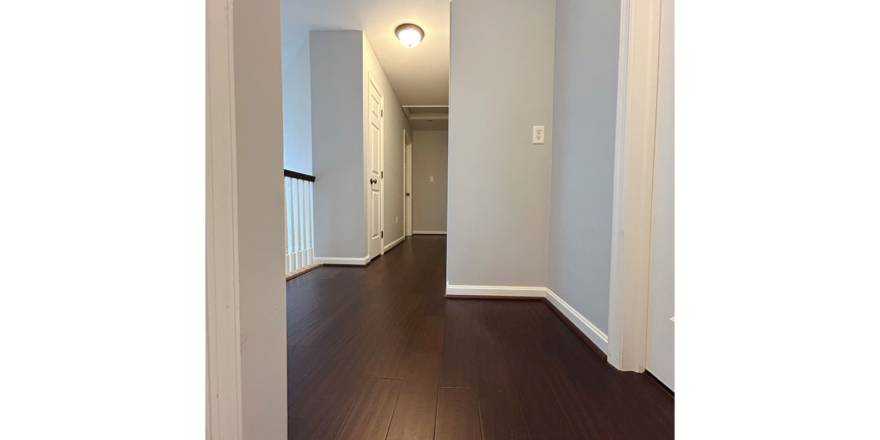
(395, 123)
(298, 111)
(501, 84)
(337, 139)
(585, 105)
(260, 233)
(430, 152)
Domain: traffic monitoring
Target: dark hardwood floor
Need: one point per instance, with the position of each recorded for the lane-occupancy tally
(377, 352)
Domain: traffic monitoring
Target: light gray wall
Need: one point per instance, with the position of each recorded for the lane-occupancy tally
(585, 105)
(395, 123)
(337, 139)
(260, 189)
(430, 158)
(298, 112)
(501, 84)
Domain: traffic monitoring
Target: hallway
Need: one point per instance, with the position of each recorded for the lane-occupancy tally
(376, 352)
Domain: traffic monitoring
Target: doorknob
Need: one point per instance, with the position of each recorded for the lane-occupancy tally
(373, 181)
(407, 194)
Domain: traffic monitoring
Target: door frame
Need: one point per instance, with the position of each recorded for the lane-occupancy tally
(633, 184)
(222, 352)
(381, 168)
(407, 177)
(659, 320)
(242, 300)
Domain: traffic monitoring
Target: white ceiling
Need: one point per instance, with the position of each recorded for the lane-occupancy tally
(419, 76)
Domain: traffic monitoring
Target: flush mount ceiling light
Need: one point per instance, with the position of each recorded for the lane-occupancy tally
(409, 34)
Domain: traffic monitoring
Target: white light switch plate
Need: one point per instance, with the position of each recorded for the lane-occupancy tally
(432, 178)
(538, 134)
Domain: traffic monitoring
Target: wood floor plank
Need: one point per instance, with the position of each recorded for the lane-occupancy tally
(489, 364)
(415, 412)
(331, 389)
(459, 350)
(458, 415)
(500, 414)
(371, 415)
(424, 352)
(416, 409)
(327, 413)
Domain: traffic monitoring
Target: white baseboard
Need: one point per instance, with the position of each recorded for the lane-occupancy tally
(343, 261)
(583, 324)
(393, 243)
(508, 291)
(429, 232)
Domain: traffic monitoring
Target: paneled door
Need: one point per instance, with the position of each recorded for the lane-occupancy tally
(377, 118)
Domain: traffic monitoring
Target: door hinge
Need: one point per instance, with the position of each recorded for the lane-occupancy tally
(382, 113)
(383, 234)
(382, 174)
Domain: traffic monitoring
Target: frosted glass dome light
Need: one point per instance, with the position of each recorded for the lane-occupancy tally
(409, 34)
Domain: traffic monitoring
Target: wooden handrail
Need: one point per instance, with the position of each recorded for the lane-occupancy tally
(300, 176)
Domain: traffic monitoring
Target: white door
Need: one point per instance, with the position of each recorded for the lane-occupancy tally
(408, 188)
(661, 307)
(376, 115)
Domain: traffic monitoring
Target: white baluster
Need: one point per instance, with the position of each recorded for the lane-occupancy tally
(291, 200)
(309, 231)
(306, 223)
(297, 214)
(286, 228)
(302, 239)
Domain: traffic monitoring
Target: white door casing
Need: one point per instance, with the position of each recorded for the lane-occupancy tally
(661, 304)
(403, 186)
(376, 113)
(633, 184)
(408, 187)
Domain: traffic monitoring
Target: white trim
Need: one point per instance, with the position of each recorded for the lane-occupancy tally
(246, 372)
(381, 172)
(517, 291)
(633, 180)
(407, 186)
(223, 325)
(617, 211)
(343, 261)
(429, 116)
(394, 243)
(583, 324)
(410, 117)
(403, 181)
(429, 232)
